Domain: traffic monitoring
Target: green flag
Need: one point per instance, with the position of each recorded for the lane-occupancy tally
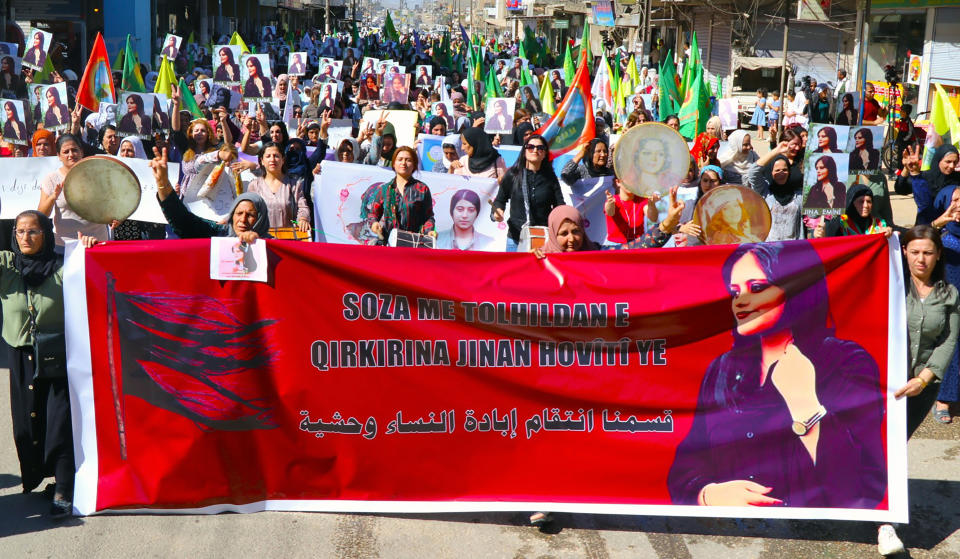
(188, 102)
(669, 95)
(569, 70)
(389, 31)
(492, 85)
(696, 107)
(585, 42)
(132, 80)
(472, 100)
(690, 66)
(355, 33)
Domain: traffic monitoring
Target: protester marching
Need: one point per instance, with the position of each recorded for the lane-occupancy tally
(786, 392)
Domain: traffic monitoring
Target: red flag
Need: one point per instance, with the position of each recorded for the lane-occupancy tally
(96, 86)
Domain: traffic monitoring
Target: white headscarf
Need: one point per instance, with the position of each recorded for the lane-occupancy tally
(734, 158)
(138, 150)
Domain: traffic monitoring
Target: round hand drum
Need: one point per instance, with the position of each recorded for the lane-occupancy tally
(651, 157)
(101, 189)
(732, 215)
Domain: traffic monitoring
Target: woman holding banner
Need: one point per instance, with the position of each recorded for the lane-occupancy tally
(31, 286)
(790, 415)
(403, 203)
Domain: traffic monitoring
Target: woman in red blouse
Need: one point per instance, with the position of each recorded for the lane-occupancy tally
(404, 202)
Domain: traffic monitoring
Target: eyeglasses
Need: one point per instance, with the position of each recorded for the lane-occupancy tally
(28, 232)
(535, 147)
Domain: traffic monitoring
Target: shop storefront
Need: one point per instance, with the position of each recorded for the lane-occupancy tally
(924, 32)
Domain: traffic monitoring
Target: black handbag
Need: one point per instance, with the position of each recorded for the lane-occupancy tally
(49, 349)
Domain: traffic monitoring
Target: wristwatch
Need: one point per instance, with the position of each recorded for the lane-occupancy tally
(801, 427)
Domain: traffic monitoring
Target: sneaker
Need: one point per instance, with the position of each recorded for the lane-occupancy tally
(887, 541)
(541, 518)
(60, 508)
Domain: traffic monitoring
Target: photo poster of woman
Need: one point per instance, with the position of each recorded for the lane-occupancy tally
(827, 138)
(171, 46)
(328, 96)
(460, 207)
(297, 64)
(136, 115)
(864, 145)
(424, 74)
(161, 113)
(226, 64)
(256, 74)
(56, 113)
(369, 88)
(444, 110)
(14, 119)
(499, 115)
(328, 69)
(37, 45)
(530, 99)
(825, 180)
(369, 66)
(231, 259)
(395, 88)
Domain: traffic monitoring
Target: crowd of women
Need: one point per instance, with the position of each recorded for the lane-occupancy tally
(529, 195)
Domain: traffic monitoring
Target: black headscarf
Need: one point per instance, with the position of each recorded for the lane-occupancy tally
(520, 130)
(484, 156)
(588, 159)
(935, 179)
(36, 268)
(784, 193)
(834, 227)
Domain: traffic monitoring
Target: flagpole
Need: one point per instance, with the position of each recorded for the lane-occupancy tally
(783, 69)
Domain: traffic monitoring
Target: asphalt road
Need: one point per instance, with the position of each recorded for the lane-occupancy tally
(934, 489)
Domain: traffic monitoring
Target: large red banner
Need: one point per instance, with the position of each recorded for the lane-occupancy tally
(712, 381)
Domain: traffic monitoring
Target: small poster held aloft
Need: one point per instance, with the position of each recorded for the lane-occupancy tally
(823, 192)
(231, 259)
(256, 75)
(226, 67)
(56, 113)
(864, 149)
(14, 122)
(499, 116)
(171, 46)
(827, 138)
(328, 97)
(137, 115)
(39, 42)
(297, 65)
(396, 88)
(424, 76)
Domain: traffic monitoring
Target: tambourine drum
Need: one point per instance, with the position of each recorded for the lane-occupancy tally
(532, 237)
(289, 234)
(101, 189)
(400, 238)
(733, 215)
(651, 157)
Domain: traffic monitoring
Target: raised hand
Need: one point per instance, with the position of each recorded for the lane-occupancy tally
(911, 159)
(670, 222)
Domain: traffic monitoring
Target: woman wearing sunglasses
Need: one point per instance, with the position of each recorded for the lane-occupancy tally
(531, 187)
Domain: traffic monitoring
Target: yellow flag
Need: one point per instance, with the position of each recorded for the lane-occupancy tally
(235, 39)
(943, 118)
(166, 78)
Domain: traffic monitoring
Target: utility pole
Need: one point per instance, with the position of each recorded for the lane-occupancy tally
(326, 18)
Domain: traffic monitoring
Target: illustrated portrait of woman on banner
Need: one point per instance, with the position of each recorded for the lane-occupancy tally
(228, 71)
(136, 122)
(790, 415)
(57, 114)
(464, 209)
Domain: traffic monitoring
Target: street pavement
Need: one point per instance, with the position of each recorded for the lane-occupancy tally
(934, 489)
(933, 532)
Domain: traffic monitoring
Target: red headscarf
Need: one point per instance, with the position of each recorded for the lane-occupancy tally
(701, 145)
(40, 135)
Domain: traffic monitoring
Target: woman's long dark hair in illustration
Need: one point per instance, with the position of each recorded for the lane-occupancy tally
(464, 194)
(831, 166)
(795, 267)
(194, 356)
(831, 134)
